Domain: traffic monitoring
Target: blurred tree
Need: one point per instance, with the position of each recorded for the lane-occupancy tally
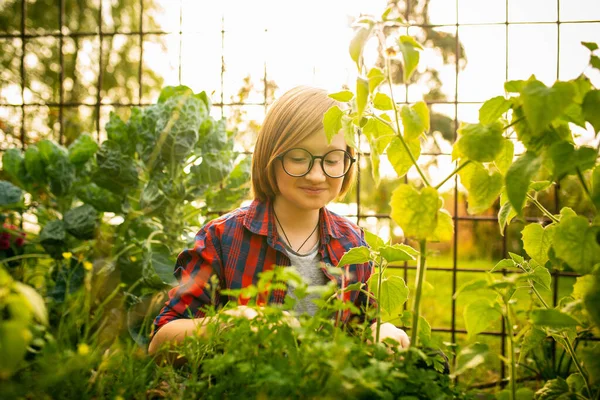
(115, 61)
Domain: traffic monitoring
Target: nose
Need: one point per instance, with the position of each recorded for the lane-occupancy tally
(316, 173)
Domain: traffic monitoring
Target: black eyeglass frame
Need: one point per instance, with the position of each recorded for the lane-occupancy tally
(312, 162)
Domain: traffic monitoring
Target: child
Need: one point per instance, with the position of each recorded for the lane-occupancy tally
(295, 174)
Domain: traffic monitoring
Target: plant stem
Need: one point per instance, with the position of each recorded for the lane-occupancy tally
(418, 291)
(379, 280)
(23, 256)
(516, 121)
(582, 180)
(410, 154)
(453, 173)
(542, 208)
(511, 353)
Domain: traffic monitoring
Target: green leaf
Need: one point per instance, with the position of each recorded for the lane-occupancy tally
(517, 258)
(14, 339)
(567, 160)
(554, 389)
(595, 189)
(541, 276)
(552, 318)
(444, 228)
(484, 189)
(471, 357)
(493, 109)
(394, 292)
(575, 242)
(358, 43)
(591, 300)
(362, 95)
(215, 167)
(590, 107)
(514, 86)
(518, 177)
(157, 271)
(82, 149)
(533, 339)
(542, 104)
(415, 120)
(399, 157)
(375, 129)
(415, 212)
(356, 255)
(505, 157)
(540, 186)
(471, 286)
(101, 199)
(591, 46)
(478, 316)
(595, 62)
(35, 301)
(35, 165)
(153, 199)
(479, 142)
(169, 91)
(10, 195)
(591, 361)
(410, 55)
(53, 237)
(537, 241)
(375, 77)
(397, 252)
(343, 96)
(505, 215)
(374, 241)
(506, 263)
(82, 221)
(383, 102)
(332, 122)
(13, 164)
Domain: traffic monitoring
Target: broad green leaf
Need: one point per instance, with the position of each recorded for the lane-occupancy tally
(517, 258)
(374, 241)
(415, 212)
(590, 107)
(554, 389)
(540, 186)
(567, 212)
(567, 160)
(537, 241)
(471, 286)
(479, 142)
(532, 340)
(552, 318)
(396, 252)
(591, 299)
(10, 195)
(13, 164)
(358, 43)
(332, 122)
(466, 173)
(399, 157)
(518, 177)
(348, 128)
(362, 95)
(101, 199)
(506, 263)
(82, 149)
(35, 165)
(576, 382)
(14, 339)
(583, 285)
(591, 359)
(169, 91)
(157, 271)
(356, 255)
(595, 62)
(375, 129)
(471, 357)
(591, 46)
(493, 109)
(35, 301)
(514, 86)
(82, 221)
(478, 316)
(383, 102)
(505, 215)
(595, 190)
(542, 104)
(575, 242)
(505, 157)
(375, 77)
(343, 96)
(375, 162)
(394, 293)
(410, 55)
(415, 120)
(484, 189)
(53, 238)
(541, 276)
(444, 229)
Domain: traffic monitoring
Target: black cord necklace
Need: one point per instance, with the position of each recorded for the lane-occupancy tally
(288, 240)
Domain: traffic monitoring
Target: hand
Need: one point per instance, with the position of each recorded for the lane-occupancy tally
(242, 311)
(388, 330)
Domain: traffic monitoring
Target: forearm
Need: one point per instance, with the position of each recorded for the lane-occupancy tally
(176, 331)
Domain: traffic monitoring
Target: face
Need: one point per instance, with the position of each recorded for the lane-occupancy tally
(315, 189)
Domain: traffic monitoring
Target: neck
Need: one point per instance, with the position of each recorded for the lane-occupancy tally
(293, 218)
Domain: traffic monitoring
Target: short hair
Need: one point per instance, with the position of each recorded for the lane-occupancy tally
(293, 117)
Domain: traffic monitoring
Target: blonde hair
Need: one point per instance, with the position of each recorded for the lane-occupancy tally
(292, 118)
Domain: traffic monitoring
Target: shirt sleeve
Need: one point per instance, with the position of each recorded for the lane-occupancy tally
(193, 269)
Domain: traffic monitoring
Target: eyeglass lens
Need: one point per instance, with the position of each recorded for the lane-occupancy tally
(335, 163)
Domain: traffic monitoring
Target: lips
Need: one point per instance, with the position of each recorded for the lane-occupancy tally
(313, 190)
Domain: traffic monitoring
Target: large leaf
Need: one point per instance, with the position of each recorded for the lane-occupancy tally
(591, 300)
(343, 96)
(35, 301)
(595, 191)
(590, 107)
(374, 241)
(410, 50)
(552, 318)
(13, 164)
(480, 142)
(484, 189)
(356, 255)
(478, 316)
(394, 293)
(332, 122)
(576, 243)
(157, 270)
(82, 221)
(116, 171)
(397, 252)
(531, 341)
(101, 199)
(555, 389)
(53, 237)
(444, 228)
(567, 160)
(10, 195)
(214, 168)
(415, 212)
(375, 77)
(35, 165)
(66, 281)
(82, 149)
(537, 241)
(383, 102)
(493, 109)
(542, 104)
(505, 157)
(399, 157)
(415, 120)
(358, 43)
(519, 176)
(14, 339)
(362, 95)
(471, 357)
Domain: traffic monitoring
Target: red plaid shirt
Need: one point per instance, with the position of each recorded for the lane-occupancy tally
(239, 245)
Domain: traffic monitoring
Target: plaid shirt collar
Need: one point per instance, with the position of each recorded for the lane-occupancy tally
(260, 220)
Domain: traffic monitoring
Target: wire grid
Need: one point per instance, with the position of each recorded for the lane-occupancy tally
(61, 105)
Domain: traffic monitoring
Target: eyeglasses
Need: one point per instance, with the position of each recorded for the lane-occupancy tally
(298, 162)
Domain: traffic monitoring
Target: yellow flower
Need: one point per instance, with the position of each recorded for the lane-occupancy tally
(88, 265)
(67, 255)
(119, 398)
(83, 349)
(133, 258)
